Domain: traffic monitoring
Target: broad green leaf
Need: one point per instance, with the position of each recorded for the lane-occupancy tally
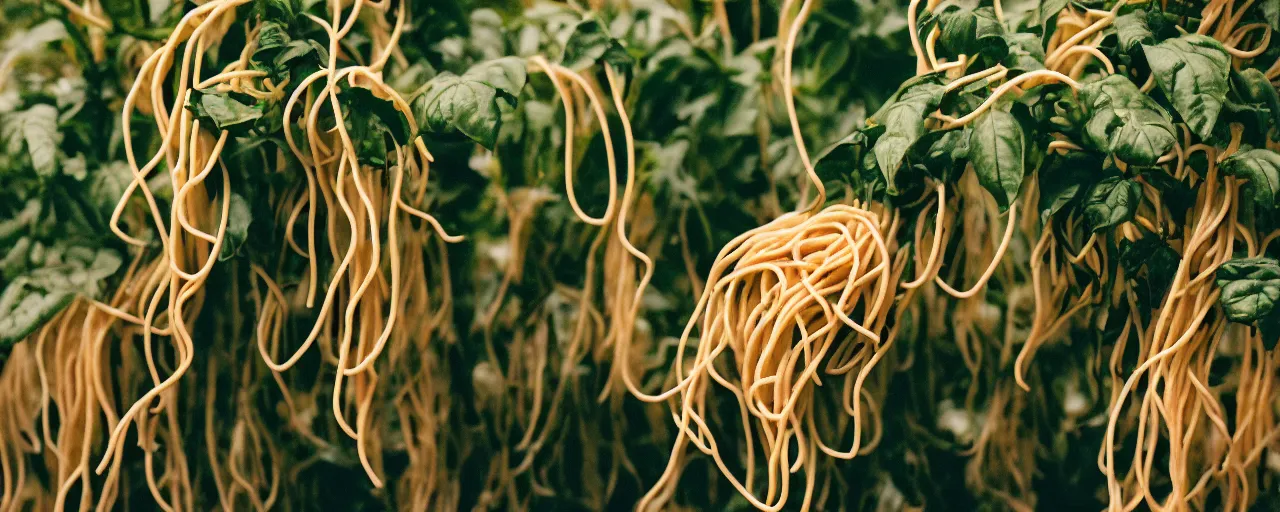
(1064, 177)
(238, 221)
(36, 129)
(31, 299)
(1192, 72)
(1125, 122)
(296, 52)
(1025, 52)
(1253, 87)
(508, 75)
(75, 167)
(272, 36)
(465, 105)
(902, 119)
(36, 38)
(1149, 265)
(225, 111)
(1261, 167)
(840, 159)
(997, 150)
(107, 184)
(1250, 288)
(469, 104)
(590, 42)
(943, 154)
(1047, 10)
(972, 31)
(1132, 31)
(1111, 202)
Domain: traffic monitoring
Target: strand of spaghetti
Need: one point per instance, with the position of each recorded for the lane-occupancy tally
(1006, 87)
(995, 261)
(393, 244)
(788, 92)
(621, 356)
(937, 241)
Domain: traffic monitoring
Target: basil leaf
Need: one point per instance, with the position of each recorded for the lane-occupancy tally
(943, 154)
(1250, 288)
(107, 184)
(972, 32)
(36, 128)
(31, 299)
(589, 43)
(1271, 12)
(1261, 167)
(456, 103)
(1132, 31)
(1124, 121)
(902, 119)
(225, 111)
(840, 159)
(1048, 10)
(997, 150)
(1151, 263)
(1253, 86)
(239, 217)
(1025, 52)
(469, 103)
(272, 36)
(1063, 178)
(507, 75)
(1111, 202)
(1192, 72)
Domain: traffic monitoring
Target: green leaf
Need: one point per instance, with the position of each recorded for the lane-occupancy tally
(1125, 122)
(1261, 167)
(1025, 52)
(1149, 264)
(31, 299)
(238, 221)
(454, 103)
(997, 150)
(107, 185)
(902, 118)
(1250, 288)
(1192, 72)
(1064, 177)
(225, 110)
(508, 75)
(36, 128)
(1048, 10)
(589, 43)
(840, 160)
(272, 36)
(1132, 31)
(1271, 12)
(369, 120)
(1253, 87)
(943, 154)
(295, 52)
(1111, 202)
(972, 32)
(469, 104)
